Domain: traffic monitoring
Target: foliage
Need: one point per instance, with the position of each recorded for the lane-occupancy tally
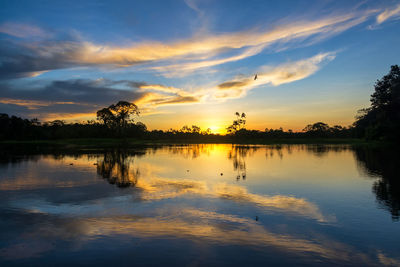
(237, 124)
(118, 116)
(14, 128)
(381, 121)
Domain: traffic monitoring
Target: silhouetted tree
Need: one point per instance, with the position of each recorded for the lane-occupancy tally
(123, 111)
(237, 124)
(118, 115)
(318, 129)
(381, 121)
(196, 129)
(106, 117)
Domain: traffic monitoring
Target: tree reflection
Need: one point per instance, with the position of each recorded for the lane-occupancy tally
(117, 168)
(270, 151)
(384, 164)
(323, 150)
(238, 155)
(191, 151)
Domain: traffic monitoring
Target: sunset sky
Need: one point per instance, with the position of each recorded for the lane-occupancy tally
(193, 62)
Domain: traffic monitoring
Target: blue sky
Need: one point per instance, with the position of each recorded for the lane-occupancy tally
(193, 62)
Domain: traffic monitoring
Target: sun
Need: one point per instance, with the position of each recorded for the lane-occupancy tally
(216, 129)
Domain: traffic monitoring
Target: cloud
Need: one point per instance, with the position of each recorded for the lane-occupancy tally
(180, 100)
(22, 30)
(81, 98)
(74, 99)
(170, 95)
(19, 59)
(152, 100)
(192, 4)
(387, 261)
(30, 104)
(253, 41)
(388, 14)
(179, 70)
(160, 88)
(284, 73)
(80, 91)
(22, 251)
(68, 99)
(235, 84)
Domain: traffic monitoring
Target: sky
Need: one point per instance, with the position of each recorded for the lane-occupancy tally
(193, 62)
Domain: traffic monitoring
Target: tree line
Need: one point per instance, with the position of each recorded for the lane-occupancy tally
(15, 128)
(380, 121)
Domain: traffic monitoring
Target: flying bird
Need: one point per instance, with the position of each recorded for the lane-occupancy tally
(255, 77)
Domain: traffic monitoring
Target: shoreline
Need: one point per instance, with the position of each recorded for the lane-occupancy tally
(131, 143)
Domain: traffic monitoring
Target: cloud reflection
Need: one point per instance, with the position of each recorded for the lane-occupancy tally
(190, 224)
(118, 170)
(159, 205)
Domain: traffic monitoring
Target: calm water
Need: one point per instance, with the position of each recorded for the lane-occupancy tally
(201, 205)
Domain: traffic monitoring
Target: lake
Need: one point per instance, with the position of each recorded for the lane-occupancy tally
(201, 205)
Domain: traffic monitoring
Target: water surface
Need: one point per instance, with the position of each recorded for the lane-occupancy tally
(201, 205)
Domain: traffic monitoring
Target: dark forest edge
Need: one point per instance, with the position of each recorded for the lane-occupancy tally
(115, 125)
(131, 142)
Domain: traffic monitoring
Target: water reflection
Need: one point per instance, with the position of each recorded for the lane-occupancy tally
(274, 215)
(116, 166)
(384, 165)
(238, 156)
(191, 151)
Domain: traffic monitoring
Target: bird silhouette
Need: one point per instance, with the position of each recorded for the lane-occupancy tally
(255, 77)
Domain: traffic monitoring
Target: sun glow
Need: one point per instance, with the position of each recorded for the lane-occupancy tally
(217, 129)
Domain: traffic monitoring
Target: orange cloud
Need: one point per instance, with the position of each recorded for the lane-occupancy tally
(30, 104)
(387, 14)
(152, 51)
(284, 73)
(188, 55)
(69, 116)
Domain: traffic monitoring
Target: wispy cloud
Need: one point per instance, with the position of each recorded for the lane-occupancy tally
(284, 73)
(193, 5)
(183, 69)
(31, 104)
(206, 46)
(22, 30)
(160, 88)
(153, 100)
(389, 13)
(174, 58)
(87, 96)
